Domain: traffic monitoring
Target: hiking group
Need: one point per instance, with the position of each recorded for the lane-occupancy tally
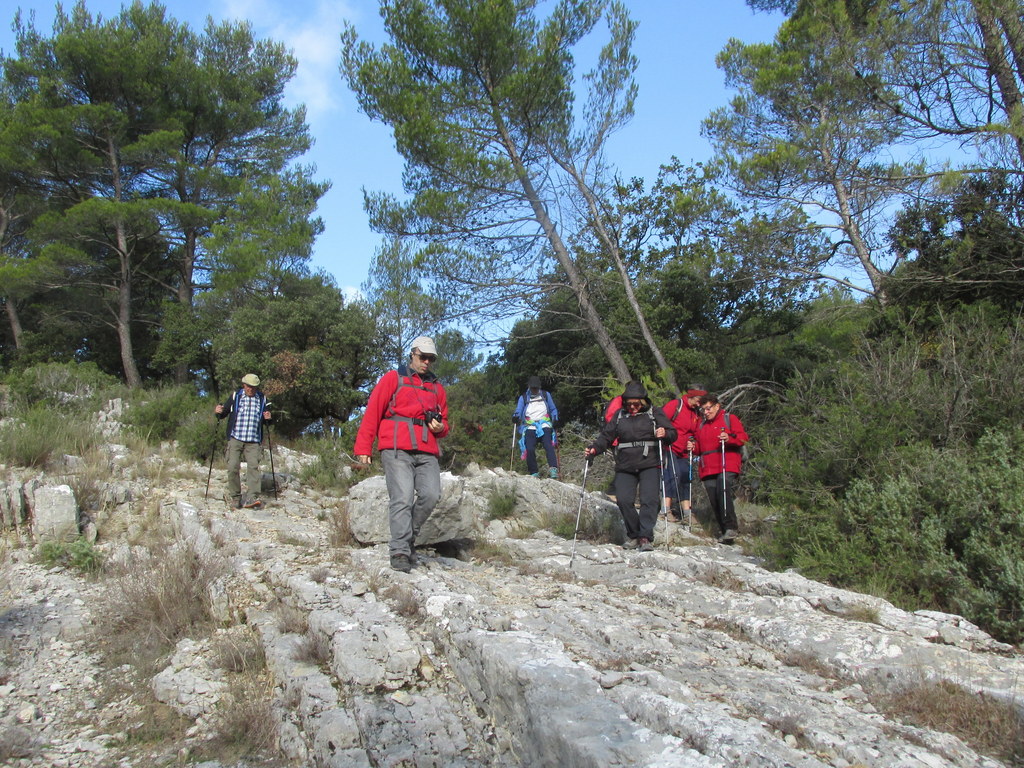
(657, 450)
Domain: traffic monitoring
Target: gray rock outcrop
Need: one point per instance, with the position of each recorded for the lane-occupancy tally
(691, 655)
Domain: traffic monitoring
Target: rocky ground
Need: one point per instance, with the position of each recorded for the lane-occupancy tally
(692, 655)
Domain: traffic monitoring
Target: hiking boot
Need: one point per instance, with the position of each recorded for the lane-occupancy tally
(401, 562)
(673, 518)
(554, 473)
(251, 503)
(729, 536)
(645, 545)
(631, 544)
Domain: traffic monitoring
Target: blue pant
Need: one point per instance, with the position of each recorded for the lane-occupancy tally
(414, 486)
(530, 441)
(677, 476)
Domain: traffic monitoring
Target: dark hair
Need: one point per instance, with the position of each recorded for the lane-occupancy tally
(709, 400)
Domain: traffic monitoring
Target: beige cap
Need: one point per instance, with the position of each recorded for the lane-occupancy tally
(251, 379)
(424, 344)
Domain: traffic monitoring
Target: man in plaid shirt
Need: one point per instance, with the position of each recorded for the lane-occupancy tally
(246, 411)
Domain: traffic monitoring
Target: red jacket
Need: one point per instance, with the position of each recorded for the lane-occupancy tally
(709, 447)
(685, 420)
(394, 415)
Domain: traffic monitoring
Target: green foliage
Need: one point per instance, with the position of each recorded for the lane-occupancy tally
(501, 504)
(314, 353)
(40, 434)
(325, 472)
(944, 531)
(158, 414)
(79, 554)
(198, 435)
(940, 384)
(69, 387)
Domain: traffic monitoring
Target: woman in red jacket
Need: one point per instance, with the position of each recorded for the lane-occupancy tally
(720, 435)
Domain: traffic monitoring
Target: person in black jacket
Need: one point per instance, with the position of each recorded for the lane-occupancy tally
(638, 430)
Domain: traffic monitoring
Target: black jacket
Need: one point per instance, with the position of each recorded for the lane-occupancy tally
(637, 448)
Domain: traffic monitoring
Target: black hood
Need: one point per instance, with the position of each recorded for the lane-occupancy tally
(635, 391)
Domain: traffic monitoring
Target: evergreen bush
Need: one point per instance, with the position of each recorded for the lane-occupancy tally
(42, 433)
(70, 387)
(158, 414)
(944, 531)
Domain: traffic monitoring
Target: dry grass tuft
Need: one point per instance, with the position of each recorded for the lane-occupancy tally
(238, 653)
(291, 620)
(315, 648)
(869, 614)
(489, 552)
(244, 723)
(154, 601)
(15, 743)
(339, 530)
(990, 726)
(403, 600)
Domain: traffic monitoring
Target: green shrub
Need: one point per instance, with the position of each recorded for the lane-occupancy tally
(501, 504)
(43, 433)
(80, 555)
(160, 413)
(199, 435)
(75, 387)
(944, 531)
(326, 471)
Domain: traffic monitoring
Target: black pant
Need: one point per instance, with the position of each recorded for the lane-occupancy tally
(725, 513)
(639, 526)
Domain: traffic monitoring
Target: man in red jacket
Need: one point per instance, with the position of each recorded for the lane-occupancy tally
(406, 415)
(720, 436)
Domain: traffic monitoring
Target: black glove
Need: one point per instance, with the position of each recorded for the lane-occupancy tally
(515, 419)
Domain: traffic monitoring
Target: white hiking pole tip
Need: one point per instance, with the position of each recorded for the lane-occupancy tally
(583, 490)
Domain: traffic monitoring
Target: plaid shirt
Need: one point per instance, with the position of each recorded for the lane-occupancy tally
(249, 418)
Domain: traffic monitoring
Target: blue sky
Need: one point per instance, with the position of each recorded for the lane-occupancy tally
(676, 44)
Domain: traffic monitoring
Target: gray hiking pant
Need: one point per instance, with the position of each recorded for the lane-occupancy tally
(251, 452)
(414, 487)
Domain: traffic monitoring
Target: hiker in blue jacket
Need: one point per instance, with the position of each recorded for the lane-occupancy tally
(536, 415)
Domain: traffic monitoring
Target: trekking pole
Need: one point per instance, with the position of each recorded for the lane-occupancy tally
(689, 490)
(723, 484)
(661, 483)
(270, 448)
(213, 449)
(512, 458)
(583, 490)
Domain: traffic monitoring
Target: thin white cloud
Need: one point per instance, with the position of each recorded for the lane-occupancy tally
(312, 31)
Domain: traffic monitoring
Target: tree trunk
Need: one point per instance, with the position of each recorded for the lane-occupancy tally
(1000, 67)
(124, 312)
(14, 320)
(576, 282)
(612, 245)
(852, 228)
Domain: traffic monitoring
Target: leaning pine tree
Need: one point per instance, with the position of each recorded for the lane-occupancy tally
(500, 170)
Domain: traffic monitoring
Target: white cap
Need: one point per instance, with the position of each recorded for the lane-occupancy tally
(251, 379)
(424, 344)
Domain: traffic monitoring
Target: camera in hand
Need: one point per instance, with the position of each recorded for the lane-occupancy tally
(429, 416)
